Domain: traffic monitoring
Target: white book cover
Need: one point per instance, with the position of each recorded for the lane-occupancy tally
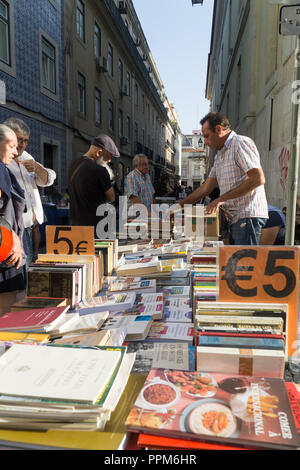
(136, 326)
(89, 322)
(56, 373)
(116, 302)
(176, 291)
(177, 302)
(155, 310)
(178, 315)
(150, 298)
(137, 286)
(168, 331)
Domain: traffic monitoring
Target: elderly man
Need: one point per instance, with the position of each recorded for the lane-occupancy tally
(12, 204)
(238, 173)
(89, 182)
(139, 188)
(30, 174)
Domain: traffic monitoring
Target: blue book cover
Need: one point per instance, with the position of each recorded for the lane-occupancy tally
(238, 342)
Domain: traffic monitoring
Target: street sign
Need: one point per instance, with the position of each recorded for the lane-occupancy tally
(262, 274)
(290, 20)
(70, 240)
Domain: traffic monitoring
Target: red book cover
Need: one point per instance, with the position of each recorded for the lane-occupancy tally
(31, 319)
(161, 442)
(294, 397)
(221, 409)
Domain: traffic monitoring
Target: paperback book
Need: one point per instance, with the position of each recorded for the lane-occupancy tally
(136, 327)
(180, 356)
(226, 409)
(171, 332)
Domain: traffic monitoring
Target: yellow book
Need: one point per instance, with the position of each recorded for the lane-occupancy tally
(18, 337)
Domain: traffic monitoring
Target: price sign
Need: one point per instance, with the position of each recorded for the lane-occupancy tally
(69, 240)
(262, 274)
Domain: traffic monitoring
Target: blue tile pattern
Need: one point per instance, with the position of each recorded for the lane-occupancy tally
(24, 90)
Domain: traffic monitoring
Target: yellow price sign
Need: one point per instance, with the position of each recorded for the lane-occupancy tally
(262, 274)
(70, 240)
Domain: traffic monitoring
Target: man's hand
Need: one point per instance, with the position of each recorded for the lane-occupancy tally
(213, 206)
(30, 165)
(15, 256)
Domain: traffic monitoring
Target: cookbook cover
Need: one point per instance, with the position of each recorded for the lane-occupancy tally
(241, 410)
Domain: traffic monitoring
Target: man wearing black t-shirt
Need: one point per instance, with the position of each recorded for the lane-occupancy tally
(89, 183)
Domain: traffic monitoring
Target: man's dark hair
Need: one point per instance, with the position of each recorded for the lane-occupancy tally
(216, 119)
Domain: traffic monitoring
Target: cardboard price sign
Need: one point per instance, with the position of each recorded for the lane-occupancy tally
(262, 274)
(61, 240)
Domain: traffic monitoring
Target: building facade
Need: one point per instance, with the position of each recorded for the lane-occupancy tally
(194, 160)
(32, 71)
(250, 79)
(113, 86)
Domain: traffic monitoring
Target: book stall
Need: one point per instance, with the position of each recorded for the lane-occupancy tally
(171, 344)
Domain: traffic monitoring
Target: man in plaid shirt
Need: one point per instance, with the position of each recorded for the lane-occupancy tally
(238, 173)
(139, 188)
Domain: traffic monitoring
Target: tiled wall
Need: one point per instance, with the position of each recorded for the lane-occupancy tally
(29, 17)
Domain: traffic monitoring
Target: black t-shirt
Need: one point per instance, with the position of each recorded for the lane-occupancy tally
(87, 190)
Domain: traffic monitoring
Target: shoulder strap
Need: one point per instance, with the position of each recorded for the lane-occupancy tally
(76, 170)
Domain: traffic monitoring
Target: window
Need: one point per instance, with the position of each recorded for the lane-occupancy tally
(110, 60)
(98, 106)
(128, 83)
(80, 20)
(81, 94)
(120, 71)
(136, 132)
(110, 115)
(136, 95)
(121, 133)
(4, 33)
(97, 41)
(48, 66)
(128, 128)
(143, 103)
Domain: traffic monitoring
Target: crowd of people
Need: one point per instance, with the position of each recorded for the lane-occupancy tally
(234, 184)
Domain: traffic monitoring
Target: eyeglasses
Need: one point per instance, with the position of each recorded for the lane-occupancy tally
(22, 140)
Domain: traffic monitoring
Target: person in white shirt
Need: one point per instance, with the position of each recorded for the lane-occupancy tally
(30, 174)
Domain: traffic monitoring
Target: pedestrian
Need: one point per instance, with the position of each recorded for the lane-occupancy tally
(89, 183)
(12, 206)
(139, 188)
(30, 175)
(238, 173)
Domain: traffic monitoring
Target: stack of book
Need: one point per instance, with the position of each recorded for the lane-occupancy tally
(60, 387)
(241, 338)
(138, 266)
(76, 277)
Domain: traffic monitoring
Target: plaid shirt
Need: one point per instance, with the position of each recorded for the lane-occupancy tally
(232, 162)
(139, 185)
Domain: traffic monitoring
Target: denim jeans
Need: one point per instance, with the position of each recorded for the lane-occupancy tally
(246, 231)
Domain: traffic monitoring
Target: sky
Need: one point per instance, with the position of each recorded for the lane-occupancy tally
(178, 35)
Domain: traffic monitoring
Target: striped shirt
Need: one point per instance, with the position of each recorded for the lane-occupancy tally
(140, 185)
(239, 155)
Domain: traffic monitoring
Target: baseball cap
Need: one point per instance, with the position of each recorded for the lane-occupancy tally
(106, 143)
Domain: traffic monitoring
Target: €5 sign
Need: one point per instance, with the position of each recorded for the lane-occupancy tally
(262, 274)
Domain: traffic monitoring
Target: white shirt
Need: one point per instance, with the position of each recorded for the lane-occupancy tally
(29, 182)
